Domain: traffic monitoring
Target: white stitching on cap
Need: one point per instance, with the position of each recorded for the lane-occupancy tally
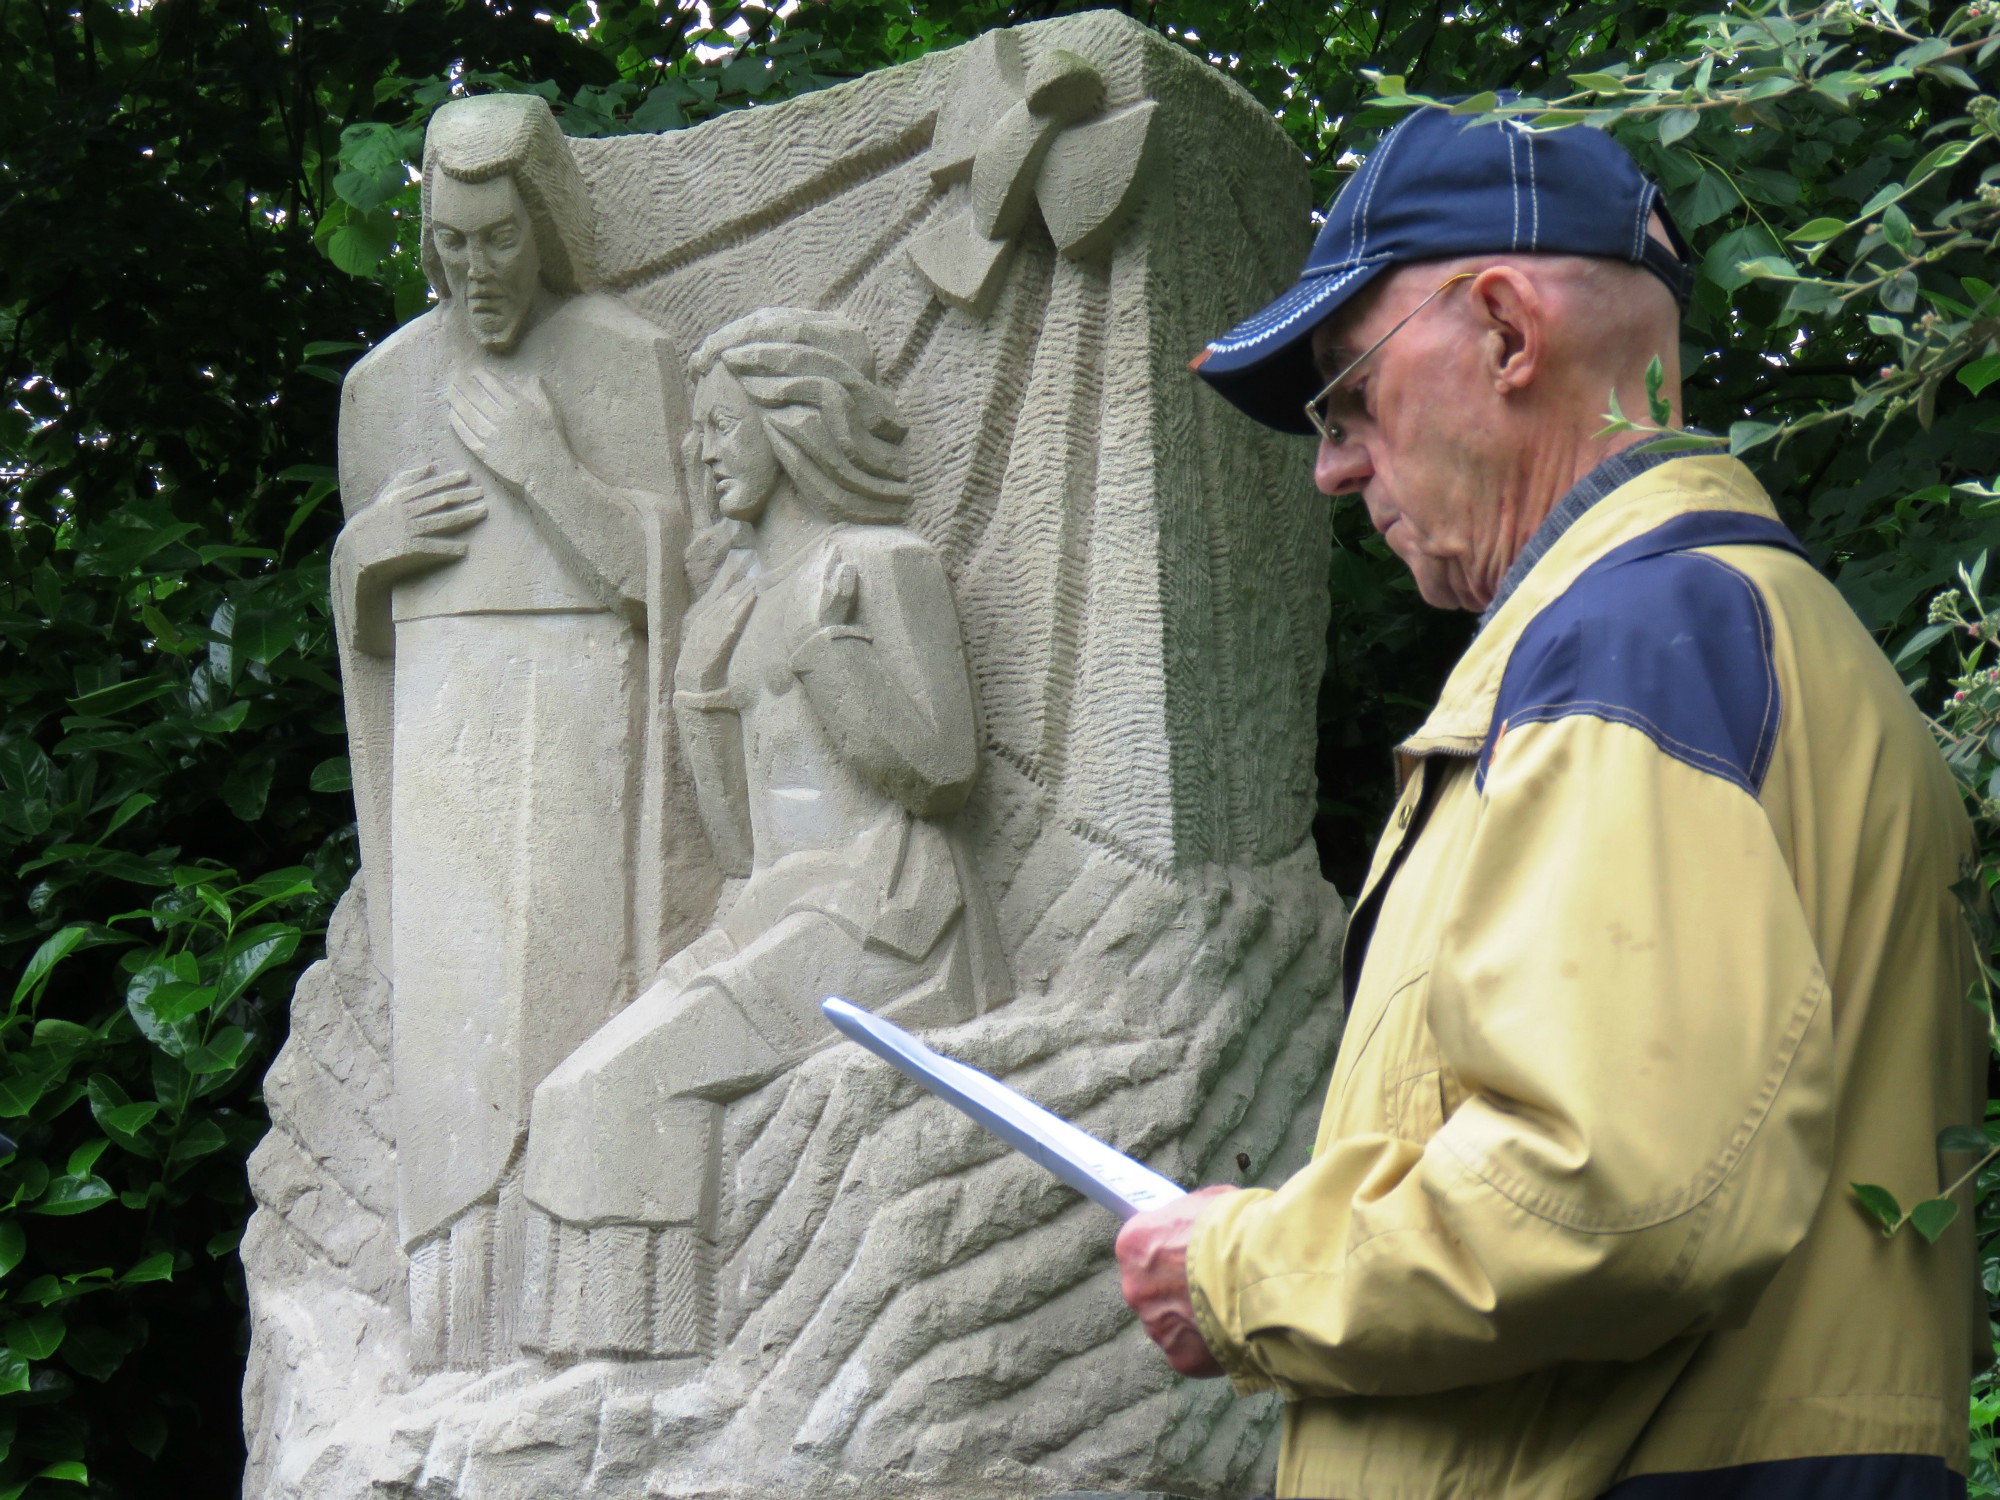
(1514, 191)
(1639, 224)
(1368, 198)
(1256, 335)
(1534, 196)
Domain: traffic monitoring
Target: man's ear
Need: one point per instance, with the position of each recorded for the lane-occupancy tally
(1512, 333)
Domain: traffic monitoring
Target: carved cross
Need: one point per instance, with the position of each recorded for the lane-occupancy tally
(1027, 139)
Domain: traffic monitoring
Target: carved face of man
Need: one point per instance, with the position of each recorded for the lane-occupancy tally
(492, 265)
(734, 446)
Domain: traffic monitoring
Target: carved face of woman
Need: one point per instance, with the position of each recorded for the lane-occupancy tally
(734, 446)
(491, 263)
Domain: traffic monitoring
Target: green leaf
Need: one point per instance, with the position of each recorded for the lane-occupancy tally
(1945, 157)
(250, 953)
(1933, 1217)
(1881, 1203)
(95, 1351)
(158, 1267)
(1980, 373)
(73, 1195)
(1676, 123)
(203, 1138)
(1656, 405)
(1598, 82)
(333, 775)
(1963, 1138)
(13, 1373)
(1722, 265)
(247, 788)
(1883, 197)
(1929, 50)
(37, 1337)
(122, 695)
(1899, 293)
(53, 950)
(13, 1245)
(20, 1092)
(69, 1469)
(1921, 642)
(219, 1054)
(360, 245)
(129, 1119)
(227, 721)
(84, 1157)
(1476, 104)
(52, 1032)
(129, 809)
(1743, 436)
(1817, 231)
(1896, 229)
(178, 1000)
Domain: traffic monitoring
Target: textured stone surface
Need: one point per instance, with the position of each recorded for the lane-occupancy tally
(988, 699)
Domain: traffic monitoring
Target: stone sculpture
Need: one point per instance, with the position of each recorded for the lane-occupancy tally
(502, 561)
(827, 719)
(952, 649)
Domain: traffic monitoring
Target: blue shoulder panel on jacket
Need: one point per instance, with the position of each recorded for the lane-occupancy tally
(1659, 637)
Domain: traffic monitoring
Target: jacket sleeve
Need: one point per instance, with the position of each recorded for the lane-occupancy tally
(1626, 989)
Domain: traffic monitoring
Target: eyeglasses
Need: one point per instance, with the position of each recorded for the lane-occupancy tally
(1316, 409)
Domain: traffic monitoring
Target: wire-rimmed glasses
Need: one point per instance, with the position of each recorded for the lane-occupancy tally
(1316, 409)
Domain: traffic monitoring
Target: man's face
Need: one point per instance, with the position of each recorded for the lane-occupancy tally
(491, 264)
(734, 447)
(1413, 442)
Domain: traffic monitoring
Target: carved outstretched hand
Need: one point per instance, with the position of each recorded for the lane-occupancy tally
(408, 529)
(512, 429)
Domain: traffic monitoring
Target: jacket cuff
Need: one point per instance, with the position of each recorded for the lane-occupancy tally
(1202, 1267)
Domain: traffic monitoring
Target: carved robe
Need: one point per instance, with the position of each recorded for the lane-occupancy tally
(824, 757)
(515, 752)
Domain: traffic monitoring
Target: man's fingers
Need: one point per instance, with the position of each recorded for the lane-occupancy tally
(464, 494)
(417, 485)
(453, 520)
(474, 396)
(473, 437)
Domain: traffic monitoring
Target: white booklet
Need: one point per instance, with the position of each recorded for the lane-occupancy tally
(1102, 1174)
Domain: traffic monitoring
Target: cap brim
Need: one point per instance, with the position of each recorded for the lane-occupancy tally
(1264, 365)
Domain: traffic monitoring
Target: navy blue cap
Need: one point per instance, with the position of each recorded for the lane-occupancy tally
(1439, 186)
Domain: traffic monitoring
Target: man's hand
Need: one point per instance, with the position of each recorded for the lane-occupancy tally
(512, 429)
(1152, 1270)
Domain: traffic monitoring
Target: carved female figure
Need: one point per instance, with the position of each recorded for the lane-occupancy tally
(827, 717)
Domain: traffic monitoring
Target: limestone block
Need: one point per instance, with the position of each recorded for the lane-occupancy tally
(792, 558)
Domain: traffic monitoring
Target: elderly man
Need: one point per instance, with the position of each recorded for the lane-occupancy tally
(1658, 952)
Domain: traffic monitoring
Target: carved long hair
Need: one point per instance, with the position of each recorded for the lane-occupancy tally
(835, 430)
(514, 135)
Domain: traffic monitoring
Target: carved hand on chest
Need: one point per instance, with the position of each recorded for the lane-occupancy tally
(411, 527)
(512, 428)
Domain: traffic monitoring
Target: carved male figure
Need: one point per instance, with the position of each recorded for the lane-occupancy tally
(827, 717)
(505, 610)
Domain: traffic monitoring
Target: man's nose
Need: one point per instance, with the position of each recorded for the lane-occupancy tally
(1341, 468)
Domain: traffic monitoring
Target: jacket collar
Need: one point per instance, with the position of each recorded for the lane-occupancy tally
(1678, 487)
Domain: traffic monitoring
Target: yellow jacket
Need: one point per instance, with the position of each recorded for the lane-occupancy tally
(1660, 956)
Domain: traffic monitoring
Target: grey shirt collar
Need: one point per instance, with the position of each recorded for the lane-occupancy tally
(1620, 468)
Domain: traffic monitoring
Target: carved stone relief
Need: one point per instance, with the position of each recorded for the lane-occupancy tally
(791, 559)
